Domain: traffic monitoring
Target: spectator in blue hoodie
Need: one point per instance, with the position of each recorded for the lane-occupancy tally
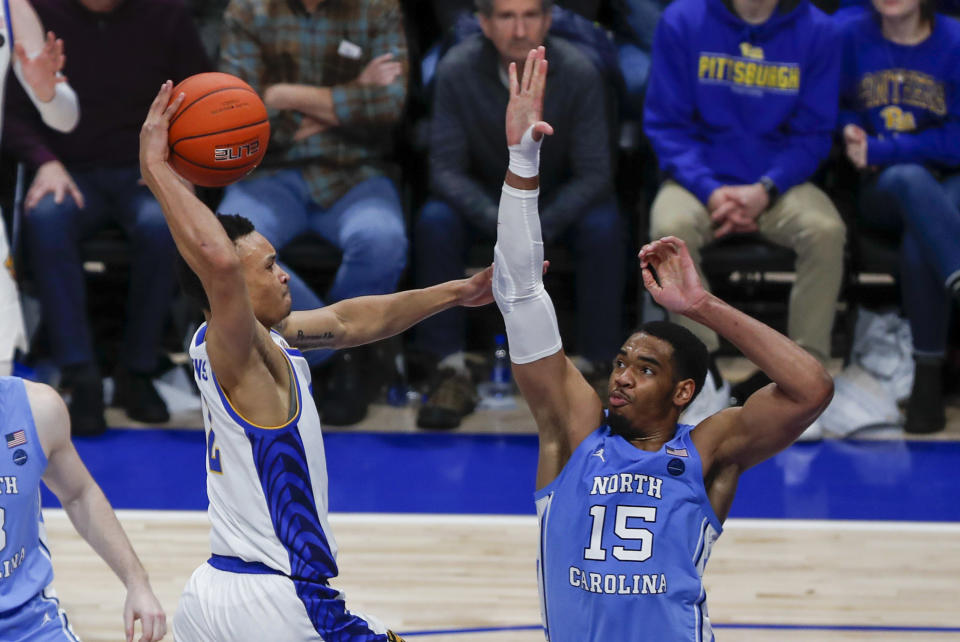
(900, 114)
(741, 108)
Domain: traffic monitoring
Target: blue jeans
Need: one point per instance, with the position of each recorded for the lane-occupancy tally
(907, 199)
(443, 238)
(366, 224)
(53, 234)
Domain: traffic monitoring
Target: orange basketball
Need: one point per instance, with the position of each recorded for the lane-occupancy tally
(220, 132)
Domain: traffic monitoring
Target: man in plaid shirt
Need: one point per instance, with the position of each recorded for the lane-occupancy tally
(333, 76)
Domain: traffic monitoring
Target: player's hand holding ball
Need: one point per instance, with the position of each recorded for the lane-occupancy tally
(212, 128)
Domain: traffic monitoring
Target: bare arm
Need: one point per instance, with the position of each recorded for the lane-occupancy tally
(203, 243)
(773, 417)
(366, 319)
(91, 513)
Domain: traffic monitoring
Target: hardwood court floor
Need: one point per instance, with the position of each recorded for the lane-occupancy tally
(474, 577)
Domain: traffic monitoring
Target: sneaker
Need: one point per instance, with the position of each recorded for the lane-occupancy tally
(137, 395)
(711, 400)
(925, 408)
(453, 397)
(342, 400)
(86, 400)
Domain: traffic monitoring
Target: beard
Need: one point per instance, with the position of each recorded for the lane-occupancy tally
(620, 425)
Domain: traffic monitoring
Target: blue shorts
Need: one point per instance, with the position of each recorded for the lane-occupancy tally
(39, 620)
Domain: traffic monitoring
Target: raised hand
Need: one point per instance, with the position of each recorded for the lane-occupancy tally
(526, 98)
(677, 286)
(154, 143)
(41, 71)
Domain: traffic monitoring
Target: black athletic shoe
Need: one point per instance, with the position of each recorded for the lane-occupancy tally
(341, 398)
(925, 408)
(136, 394)
(452, 398)
(86, 400)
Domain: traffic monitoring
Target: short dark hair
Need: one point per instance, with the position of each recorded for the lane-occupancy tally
(235, 226)
(486, 6)
(690, 356)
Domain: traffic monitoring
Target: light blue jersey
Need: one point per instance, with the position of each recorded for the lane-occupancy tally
(25, 568)
(624, 539)
(29, 609)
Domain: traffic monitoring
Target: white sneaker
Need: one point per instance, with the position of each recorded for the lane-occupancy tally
(711, 400)
(814, 432)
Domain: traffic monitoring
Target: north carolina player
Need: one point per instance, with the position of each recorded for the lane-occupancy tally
(629, 501)
(273, 552)
(36, 429)
(36, 64)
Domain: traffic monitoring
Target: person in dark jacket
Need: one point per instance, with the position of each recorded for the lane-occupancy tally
(467, 155)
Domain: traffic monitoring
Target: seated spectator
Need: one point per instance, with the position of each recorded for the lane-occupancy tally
(900, 115)
(120, 52)
(334, 79)
(466, 160)
(740, 110)
(37, 60)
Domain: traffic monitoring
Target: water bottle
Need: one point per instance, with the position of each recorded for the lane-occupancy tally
(501, 385)
(498, 391)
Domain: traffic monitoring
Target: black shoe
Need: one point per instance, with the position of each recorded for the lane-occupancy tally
(452, 398)
(925, 409)
(86, 400)
(742, 391)
(136, 394)
(342, 399)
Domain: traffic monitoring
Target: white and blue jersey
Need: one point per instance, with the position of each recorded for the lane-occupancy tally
(267, 488)
(624, 539)
(29, 609)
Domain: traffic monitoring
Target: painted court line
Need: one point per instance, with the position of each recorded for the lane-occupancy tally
(194, 516)
(756, 627)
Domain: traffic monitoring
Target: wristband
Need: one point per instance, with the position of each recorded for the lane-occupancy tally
(525, 156)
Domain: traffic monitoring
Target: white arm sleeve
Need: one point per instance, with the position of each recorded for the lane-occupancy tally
(528, 312)
(62, 112)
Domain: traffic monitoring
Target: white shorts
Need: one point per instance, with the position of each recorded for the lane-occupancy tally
(256, 607)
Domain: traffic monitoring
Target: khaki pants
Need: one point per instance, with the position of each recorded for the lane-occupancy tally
(803, 219)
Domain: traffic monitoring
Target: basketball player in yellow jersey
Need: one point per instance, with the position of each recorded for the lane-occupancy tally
(273, 552)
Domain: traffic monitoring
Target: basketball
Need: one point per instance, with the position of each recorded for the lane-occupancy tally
(220, 132)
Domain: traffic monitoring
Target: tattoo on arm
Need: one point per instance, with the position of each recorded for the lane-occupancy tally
(323, 340)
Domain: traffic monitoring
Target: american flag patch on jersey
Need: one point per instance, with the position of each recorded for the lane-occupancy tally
(17, 438)
(677, 452)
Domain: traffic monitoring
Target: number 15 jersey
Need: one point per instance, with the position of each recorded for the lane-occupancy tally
(624, 539)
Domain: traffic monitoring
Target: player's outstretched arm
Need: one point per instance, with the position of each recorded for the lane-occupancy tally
(90, 512)
(362, 320)
(774, 416)
(203, 243)
(563, 404)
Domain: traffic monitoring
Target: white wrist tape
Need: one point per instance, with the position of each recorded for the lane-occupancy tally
(528, 312)
(62, 112)
(525, 156)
